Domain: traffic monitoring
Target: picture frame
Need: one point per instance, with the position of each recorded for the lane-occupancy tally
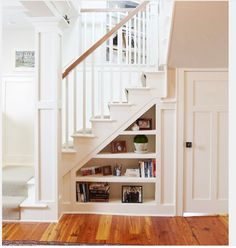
(107, 170)
(118, 146)
(144, 123)
(132, 194)
(24, 60)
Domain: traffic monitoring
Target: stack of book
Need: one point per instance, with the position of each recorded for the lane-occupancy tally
(147, 169)
(99, 192)
(92, 192)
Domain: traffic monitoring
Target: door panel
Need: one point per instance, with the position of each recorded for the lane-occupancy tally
(206, 126)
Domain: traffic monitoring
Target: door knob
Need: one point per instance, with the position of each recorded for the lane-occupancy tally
(188, 144)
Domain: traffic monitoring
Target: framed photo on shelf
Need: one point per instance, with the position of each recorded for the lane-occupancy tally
(24, 60)
(132, 194)
(144, 123)
(107, 170)
(118, 146)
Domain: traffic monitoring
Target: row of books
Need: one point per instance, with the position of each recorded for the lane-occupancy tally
(147, 169)
(92, 192)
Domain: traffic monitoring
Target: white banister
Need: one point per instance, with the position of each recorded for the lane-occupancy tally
(75, 101)
(107, 68)
(84, 96)
(67, 113)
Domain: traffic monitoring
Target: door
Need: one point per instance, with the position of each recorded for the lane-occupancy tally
(206, 157)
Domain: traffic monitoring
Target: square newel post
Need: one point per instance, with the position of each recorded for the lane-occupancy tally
(48, 114)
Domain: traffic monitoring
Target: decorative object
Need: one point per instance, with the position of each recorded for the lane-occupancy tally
(86, 171)
(118, 146)
(132, 194)
(106, 170)
(140, 143)
(135, 127)
(132, 173)
(24, 60)
(117, 170)
(144, 123)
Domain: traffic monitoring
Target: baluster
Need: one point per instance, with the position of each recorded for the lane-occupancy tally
(92, 68)
(84, 96)
(75, 100)
(120, 60)
(130, 50)
(67, 114)
(111, 59)
(148, 34)
(126, 40)
(135, 39)
(85, 32)
(102, 58)
(139, 38)
(144, 36)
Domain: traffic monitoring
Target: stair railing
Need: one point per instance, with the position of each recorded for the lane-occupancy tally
(128, 46)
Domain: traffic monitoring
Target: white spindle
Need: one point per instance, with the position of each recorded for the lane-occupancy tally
(139, 38)
(84, 96)
(67, 113)
(120, 60)
(130, 50)
(148, 34)
(75, 100)
(126, 40)
(85, 32)
(102, 94)
(144, 36)
(135, 39)
(92, 68)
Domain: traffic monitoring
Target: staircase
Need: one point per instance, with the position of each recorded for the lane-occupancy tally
(112, 82)
(15, 190)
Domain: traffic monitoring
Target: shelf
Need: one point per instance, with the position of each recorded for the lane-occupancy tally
(128, 155)
(121, 179)
(144, 132)
(118, 202)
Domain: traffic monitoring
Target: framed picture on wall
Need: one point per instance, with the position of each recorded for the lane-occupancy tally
(24, 60)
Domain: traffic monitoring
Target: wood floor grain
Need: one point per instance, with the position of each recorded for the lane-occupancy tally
(127, 230)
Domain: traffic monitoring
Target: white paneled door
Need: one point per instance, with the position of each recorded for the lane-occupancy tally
(206, 153)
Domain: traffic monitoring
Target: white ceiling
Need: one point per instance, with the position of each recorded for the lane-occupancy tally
(14, 15)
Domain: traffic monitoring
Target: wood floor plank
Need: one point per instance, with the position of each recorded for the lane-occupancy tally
(104, 227)
(124, 230)
(209, 230)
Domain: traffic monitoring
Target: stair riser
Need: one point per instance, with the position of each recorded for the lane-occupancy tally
(11, 214)
(116, 112)
(14, 190)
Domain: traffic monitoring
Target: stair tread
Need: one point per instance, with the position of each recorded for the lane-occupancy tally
(138, 88)
(120, 104)
(17, 174)
(68, 150)
(84, 135)
(101, 120)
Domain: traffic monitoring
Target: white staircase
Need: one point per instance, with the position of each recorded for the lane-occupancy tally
(109, 87)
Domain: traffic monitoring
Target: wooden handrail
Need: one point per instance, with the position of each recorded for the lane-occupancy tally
(104, 38)
(105, 10)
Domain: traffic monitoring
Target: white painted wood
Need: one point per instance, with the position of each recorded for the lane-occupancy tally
(48, 137)
(140, 132)
(75, 101)
(121, 179)
(125, 155)
(84, 96)
(206, 163)
(67, 113)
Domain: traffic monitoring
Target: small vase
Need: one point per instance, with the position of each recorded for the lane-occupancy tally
(141, 147)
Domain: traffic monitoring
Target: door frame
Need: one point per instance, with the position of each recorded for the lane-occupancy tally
(180, 93)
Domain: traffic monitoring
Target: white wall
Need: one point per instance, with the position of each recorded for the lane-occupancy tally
(18, 101)
(199, 35)
(15, 39)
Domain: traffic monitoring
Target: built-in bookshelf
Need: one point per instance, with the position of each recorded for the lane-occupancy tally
(128, 160)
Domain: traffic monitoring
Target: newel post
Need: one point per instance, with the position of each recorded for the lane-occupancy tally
(48, 114)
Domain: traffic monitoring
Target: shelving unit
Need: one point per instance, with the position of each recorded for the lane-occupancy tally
(129, 159)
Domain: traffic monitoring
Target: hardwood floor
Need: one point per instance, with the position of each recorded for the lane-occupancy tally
(107, 229)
